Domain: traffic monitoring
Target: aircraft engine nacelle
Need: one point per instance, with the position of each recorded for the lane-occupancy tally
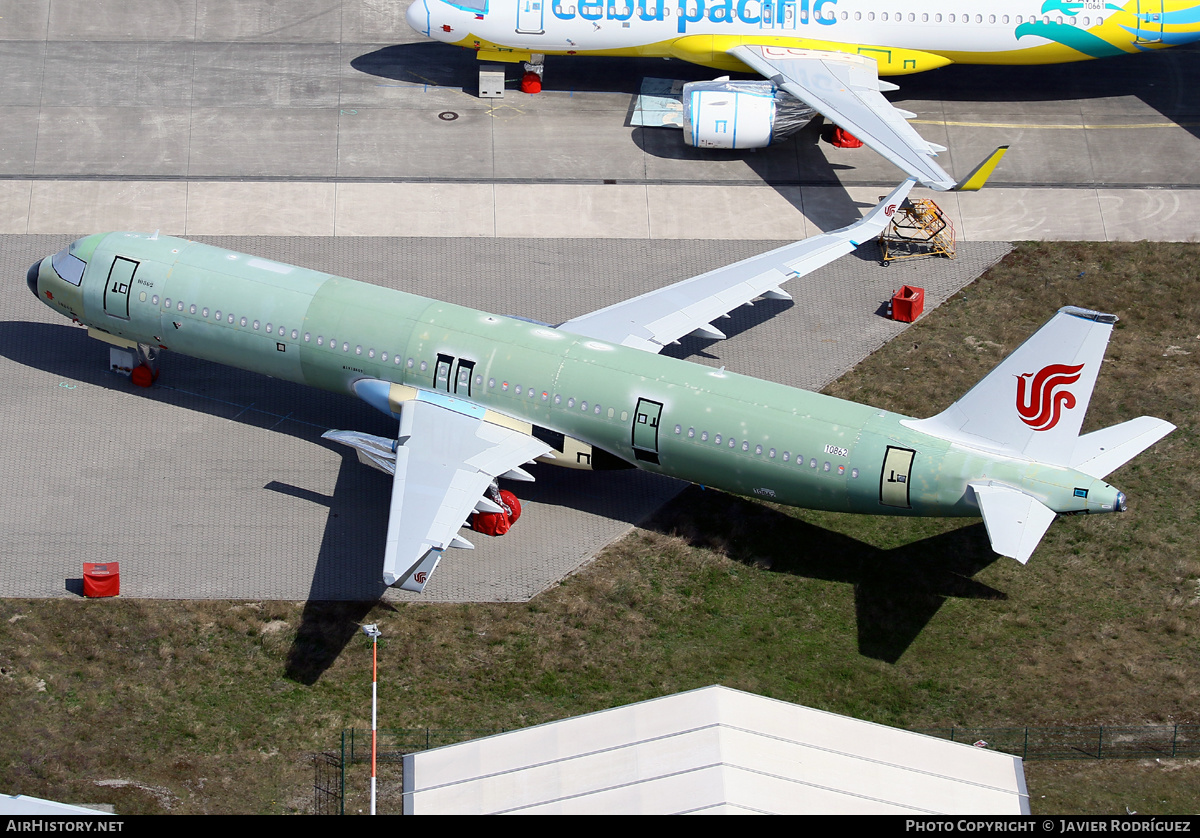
(740, 114)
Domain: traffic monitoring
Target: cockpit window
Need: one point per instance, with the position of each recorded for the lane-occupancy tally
(470, 5)
(69, 267)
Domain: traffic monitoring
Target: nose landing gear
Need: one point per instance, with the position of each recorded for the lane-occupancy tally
(141, 368)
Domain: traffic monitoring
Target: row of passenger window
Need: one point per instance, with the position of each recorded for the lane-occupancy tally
(926, 17)
(771, 453)
(220, 316)
(596, 409)
(532, 393)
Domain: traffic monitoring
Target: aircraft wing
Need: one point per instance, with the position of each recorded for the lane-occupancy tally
(845, 89)
(447, 456)
(660, 317)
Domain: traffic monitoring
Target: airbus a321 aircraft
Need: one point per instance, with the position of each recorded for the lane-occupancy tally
(480, 395)
(828, 54)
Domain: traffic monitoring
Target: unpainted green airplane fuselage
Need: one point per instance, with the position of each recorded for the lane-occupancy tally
(712, 427)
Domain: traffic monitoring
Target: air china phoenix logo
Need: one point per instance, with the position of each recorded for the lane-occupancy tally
(1040, 402)
(889, 210)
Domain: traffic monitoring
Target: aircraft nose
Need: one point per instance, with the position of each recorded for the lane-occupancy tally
(31, 277)
(418, 17)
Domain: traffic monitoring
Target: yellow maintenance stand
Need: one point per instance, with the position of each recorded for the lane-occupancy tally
(919, 228)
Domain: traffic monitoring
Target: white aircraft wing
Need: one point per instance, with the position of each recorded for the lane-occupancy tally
(845, 89)
(447, 456)
(660, 317)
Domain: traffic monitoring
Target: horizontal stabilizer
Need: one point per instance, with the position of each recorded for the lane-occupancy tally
(1102, 452)
(1015, 521)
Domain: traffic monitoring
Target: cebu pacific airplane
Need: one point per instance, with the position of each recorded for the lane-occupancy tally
(828, 54)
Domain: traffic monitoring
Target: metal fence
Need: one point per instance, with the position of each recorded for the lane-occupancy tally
(329, 781)
(1098, 742)
(394, 744)
(329, 769)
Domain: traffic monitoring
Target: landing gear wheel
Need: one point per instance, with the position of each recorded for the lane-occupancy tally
(531, 83)
(143, 376)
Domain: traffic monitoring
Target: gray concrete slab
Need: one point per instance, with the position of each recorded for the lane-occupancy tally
(92, 141)
(116, 20)
(1044, 149)
(215, 483)
(271, 75)
(268, 20)
(1129, 213)
(291, 142)
(574, 145)
(117, 74)
(24, 21)
(1135, 156)
(669, 159)
(21, 68)
(391, 142)
(222, 206)
(18, 138)
(415, 209)
(272, 209)
(14, 206)
(125, 205)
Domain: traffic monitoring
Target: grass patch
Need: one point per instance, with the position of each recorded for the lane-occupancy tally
(210, 706)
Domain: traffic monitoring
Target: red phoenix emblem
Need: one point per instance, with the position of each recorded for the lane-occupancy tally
(889, 210)
(1041, 404)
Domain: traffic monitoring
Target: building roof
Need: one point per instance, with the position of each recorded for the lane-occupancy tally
(713, 750)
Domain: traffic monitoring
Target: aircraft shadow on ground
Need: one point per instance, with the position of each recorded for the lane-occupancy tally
(896, 591)
(444, 65)
(352, 545)
(1165, 80)
(353, 541)
(797, 160)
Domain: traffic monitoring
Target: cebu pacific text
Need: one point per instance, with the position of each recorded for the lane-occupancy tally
(694, 11)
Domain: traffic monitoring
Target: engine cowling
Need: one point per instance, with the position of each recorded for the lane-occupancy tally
(740, 114)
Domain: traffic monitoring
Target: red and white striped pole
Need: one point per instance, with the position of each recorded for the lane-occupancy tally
(372, 631)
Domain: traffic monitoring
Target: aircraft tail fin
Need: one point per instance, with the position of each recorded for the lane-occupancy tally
(980, 174)
(1032, 404)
